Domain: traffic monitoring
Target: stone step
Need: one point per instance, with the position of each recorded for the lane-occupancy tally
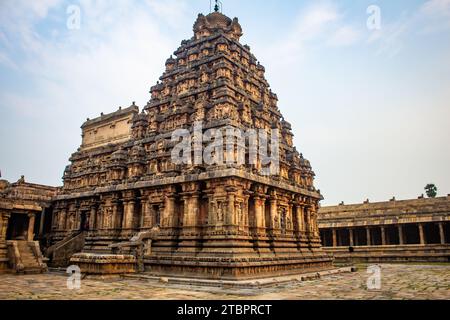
(32, 270)
(29, 260)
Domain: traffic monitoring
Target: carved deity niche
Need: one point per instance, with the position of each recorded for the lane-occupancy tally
(154, 168)
(221, 208)
(282, 212)
(181, 62)
(107, 218)
(239, 210)
(134, 170)
(166, 91)
(204, 78)
(71, 220)
(156, 94)
(239, 81)
(199, 114)
(284, 172)
(163, 108)
(160, 146)
(192, 57)
(224, 72)
(244, 61)
(224, 111)
(246, 114)
(289, 140)
(222, 47)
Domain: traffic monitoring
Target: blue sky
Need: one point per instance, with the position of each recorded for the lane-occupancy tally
(370, 108)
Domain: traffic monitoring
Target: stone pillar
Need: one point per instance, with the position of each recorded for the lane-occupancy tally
(212, 212)
(307, 224)
(115, 220)
(290, 225)
(128, 215)
(401, 236)
(93, 218)
(144, 213)
(191, 209)
(259, 214)
(369, 240)
(383, 236)
(230, 217)
(246, 222)
(4, 219)
(31, 220)
(335, 244)
(60, 218)
(273, 213)
(1, 226)
(168, 212)
(351, 237)
(442, 232)
(298, 219)
(422, 235)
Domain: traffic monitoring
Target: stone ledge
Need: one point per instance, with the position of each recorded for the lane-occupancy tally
(243, 284)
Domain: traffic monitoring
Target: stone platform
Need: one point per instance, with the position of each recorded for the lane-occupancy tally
(104, 264)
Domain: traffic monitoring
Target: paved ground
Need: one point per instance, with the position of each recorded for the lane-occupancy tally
(397, 282)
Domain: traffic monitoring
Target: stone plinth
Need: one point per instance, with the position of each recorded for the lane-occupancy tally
(103, 264)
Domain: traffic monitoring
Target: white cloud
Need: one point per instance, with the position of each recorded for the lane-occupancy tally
(170, 11)
(431, 17)
(344, 36)
(436, 8)
(318, 25)
(435, 16)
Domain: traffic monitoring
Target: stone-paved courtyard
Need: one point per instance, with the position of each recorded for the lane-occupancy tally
(397, 282)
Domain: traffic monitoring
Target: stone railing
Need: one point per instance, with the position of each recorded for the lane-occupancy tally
(139, 246)
(15, 260)
(60, 253)
(38, 254)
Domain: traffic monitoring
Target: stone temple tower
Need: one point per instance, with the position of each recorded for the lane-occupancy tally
(226, 219)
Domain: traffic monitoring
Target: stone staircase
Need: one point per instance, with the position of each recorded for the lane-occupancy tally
(26, 257)
(97, 245)
(29, 260)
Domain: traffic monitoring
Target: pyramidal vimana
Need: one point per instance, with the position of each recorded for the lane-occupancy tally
(220, 219)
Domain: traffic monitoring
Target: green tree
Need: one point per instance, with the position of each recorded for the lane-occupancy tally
(431, 190)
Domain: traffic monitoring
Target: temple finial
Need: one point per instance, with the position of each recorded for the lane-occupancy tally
(216, 7)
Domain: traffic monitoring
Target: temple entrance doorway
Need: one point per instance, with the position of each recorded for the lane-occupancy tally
(17, 227)
(84, 226)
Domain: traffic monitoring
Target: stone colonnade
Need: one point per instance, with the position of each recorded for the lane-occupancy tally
(401, 234)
